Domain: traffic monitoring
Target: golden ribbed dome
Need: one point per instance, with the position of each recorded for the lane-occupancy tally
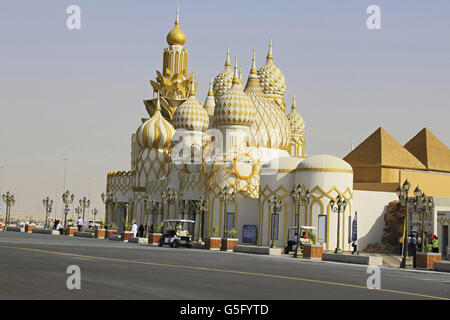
(191, 115)
(156, 132)
(272, 79)
(234, 107)
(271, 127)
(176, 36)
(224, 80)
(296, 120)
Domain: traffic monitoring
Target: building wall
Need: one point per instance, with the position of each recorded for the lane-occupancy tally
(371, 206)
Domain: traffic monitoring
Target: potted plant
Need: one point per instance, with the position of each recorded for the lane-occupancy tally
(214, 242)
(230, 241)
(312, 250)
(29, 227)
(100, 232)
(111, 231)
(155, 233)
(126, 233)
(426, 260)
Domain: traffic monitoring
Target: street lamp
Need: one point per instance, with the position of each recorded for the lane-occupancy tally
(84, 203)
(227, 198)
(78, 211)
(107, 199)
(67, 199)
(168, 196)
(94, 213)
(301, 197)
(47, 203)
(10, 200)
(275, 207)
(338, 206)
(405, 200)
(202, 206)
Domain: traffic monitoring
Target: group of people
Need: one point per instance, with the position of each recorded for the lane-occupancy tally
(415, 242)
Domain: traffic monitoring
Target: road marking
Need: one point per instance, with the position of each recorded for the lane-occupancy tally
(226, 271)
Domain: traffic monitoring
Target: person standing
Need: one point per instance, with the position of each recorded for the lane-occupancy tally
(435, 244)
(134, 229)
(355, 247)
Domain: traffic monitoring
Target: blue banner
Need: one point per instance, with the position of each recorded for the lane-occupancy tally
(355, 228)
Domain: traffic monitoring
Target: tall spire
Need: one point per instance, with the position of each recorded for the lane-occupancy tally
(253, 70)
(192, 86)
(240, 74)
(294, 106)
(227, 62)
(176, 36)
(270, 55)
(211, 92)
(177, 22)
(236, 75)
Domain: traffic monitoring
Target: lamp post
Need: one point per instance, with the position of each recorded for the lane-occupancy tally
(227, 198)
(84, 203)
(168, 196)
(274, 206)
(202, 206)
(94, 213)
(67, 199)
(301, 197)
(405, 200)
(78, 211)
(10, 201)
(337, 206)
(107, 199)
(47, 203)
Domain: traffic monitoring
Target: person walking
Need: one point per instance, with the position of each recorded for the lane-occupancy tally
(134, 229)
(79, 224)
(355, 247)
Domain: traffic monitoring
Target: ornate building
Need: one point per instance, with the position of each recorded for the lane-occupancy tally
(239, 140)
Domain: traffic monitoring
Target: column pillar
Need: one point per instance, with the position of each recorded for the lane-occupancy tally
(197, 224)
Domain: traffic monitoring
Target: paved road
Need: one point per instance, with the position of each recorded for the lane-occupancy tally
(33, 266)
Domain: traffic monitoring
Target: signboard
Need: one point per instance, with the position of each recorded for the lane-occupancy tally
(249, 234)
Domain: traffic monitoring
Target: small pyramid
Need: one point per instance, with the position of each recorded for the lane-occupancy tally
(426, 147)
(381, 149)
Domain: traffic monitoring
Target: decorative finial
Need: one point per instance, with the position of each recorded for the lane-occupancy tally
(158, 104)
(177, 22)
(270, 55)
(228, 63)
(294, 106)
(253, 70)
(240, 74)
(236, 75)
(211, 92)
(192, 86)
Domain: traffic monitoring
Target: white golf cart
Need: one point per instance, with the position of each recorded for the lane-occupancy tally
(176, 233)
(291, 244)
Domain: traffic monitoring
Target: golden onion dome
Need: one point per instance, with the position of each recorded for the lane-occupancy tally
(176, 36)
(234, 107)
(272, 79)
(224, 80)
(271, 127)
(155, 133)
(296, 121)
(191, 115)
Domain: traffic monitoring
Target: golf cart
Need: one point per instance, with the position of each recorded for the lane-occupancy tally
(291, 245)
(176, 233)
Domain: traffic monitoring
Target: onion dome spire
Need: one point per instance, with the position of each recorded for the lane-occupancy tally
(155, 133)
(210, 102)
(191, 115)
(176, 36)
(234, 107)
(296, 120)
(224, 80)
(271, 128)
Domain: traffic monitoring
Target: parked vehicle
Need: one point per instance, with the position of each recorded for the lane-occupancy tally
(291, 245)
(176, 233)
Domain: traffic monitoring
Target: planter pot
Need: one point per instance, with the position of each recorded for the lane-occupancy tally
(311, 251)
(126, 235)
(29, 228)
(213, 243)
(1, 226)
(110, 233)
(71, 230)
(426, 260)
(229, 244)
(153, 238)
(100, 233)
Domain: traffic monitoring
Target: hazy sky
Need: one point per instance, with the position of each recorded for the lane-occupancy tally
(77, 94)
